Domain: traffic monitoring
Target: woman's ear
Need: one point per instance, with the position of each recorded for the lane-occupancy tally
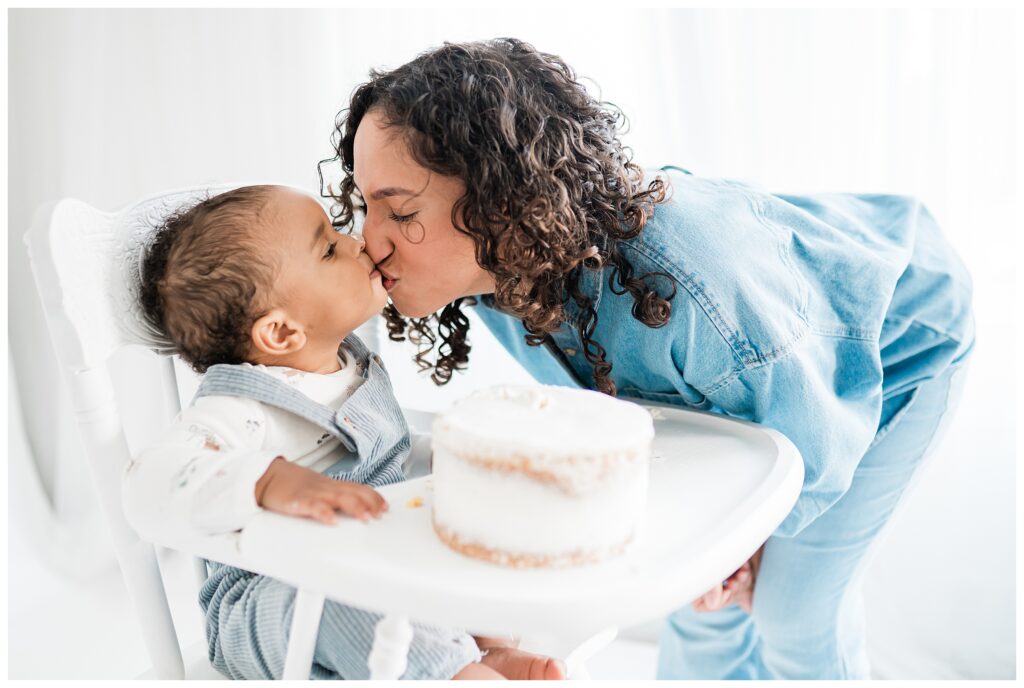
(275, 334)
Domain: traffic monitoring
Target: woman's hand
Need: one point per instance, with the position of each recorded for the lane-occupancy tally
(296, 491)
(737, 589)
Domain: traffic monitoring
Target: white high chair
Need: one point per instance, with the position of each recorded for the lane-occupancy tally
(718, 489)
(86, 265)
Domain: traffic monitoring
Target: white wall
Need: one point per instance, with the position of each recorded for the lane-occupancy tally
(111, 105)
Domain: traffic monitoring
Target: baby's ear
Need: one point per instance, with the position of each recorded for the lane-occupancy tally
(275, 334)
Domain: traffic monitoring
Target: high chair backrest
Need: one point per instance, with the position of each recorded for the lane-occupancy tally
(87, 264)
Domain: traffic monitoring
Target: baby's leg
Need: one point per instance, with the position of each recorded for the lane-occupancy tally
(249, 617)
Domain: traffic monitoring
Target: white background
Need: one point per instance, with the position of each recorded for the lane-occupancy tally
(112, 105)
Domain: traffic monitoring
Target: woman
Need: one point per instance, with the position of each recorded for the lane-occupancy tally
(490, 178)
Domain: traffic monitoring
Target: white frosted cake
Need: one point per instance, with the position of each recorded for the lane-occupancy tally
(540, 476)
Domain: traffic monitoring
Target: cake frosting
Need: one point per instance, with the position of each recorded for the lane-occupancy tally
(540, 476)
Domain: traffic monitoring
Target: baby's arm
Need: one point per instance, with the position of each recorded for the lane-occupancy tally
(200, 478)
(298, 491)
(211, 473)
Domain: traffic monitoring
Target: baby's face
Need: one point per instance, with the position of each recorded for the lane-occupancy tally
(326, 282)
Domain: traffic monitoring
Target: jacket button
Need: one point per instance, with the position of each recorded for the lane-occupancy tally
(570, 352)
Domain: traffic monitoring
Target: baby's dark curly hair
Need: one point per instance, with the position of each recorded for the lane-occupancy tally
(206, 278)
(550, 189)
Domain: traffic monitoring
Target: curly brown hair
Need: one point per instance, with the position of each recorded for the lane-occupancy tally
(206, 279)
(550, 189)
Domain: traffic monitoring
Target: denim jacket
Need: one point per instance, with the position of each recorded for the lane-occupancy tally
(815, 315)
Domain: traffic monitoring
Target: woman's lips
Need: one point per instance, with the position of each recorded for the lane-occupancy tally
(388, 280)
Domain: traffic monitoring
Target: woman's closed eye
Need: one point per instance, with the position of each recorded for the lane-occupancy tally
(362, 207)
(329, 253)
(402, 219)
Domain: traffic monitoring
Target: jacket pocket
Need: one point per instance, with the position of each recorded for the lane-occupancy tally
(893, 410)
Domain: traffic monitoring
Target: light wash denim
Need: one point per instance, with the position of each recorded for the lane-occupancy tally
(808, 616)
(822, 316)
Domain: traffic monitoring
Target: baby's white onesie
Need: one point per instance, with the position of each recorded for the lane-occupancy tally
(200, 479)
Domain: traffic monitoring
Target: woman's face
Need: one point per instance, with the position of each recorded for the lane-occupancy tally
(425, 261)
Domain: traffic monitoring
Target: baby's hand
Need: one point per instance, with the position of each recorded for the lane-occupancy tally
(297, 491)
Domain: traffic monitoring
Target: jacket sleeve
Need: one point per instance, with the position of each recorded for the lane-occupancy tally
(200, 478)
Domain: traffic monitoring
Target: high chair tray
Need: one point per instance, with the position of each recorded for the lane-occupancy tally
(718, 488)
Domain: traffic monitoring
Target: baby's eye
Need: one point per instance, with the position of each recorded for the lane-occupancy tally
(329, 253)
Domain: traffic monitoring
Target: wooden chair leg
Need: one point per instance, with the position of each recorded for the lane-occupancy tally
(302, 641)
(390, 652)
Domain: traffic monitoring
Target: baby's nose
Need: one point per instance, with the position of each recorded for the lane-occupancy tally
(359, 244)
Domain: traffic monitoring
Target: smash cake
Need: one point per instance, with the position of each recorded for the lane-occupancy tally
(540, 476)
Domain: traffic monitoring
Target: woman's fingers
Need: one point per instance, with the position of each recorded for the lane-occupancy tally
(746, 601)
(736, 589)
(725, 594)
(711, 600)
(739, 580)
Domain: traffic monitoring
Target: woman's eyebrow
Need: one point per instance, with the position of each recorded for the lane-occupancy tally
(390, 191)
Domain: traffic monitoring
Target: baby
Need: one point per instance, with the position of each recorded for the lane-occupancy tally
(259, 293)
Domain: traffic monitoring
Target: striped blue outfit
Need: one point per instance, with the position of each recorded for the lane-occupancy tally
(248, 616)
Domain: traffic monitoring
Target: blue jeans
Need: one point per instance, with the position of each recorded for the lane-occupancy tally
(807, 620)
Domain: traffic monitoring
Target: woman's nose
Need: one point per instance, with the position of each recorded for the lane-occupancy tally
(378, 247)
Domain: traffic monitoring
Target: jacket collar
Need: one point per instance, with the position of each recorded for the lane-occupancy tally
(591, 286)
